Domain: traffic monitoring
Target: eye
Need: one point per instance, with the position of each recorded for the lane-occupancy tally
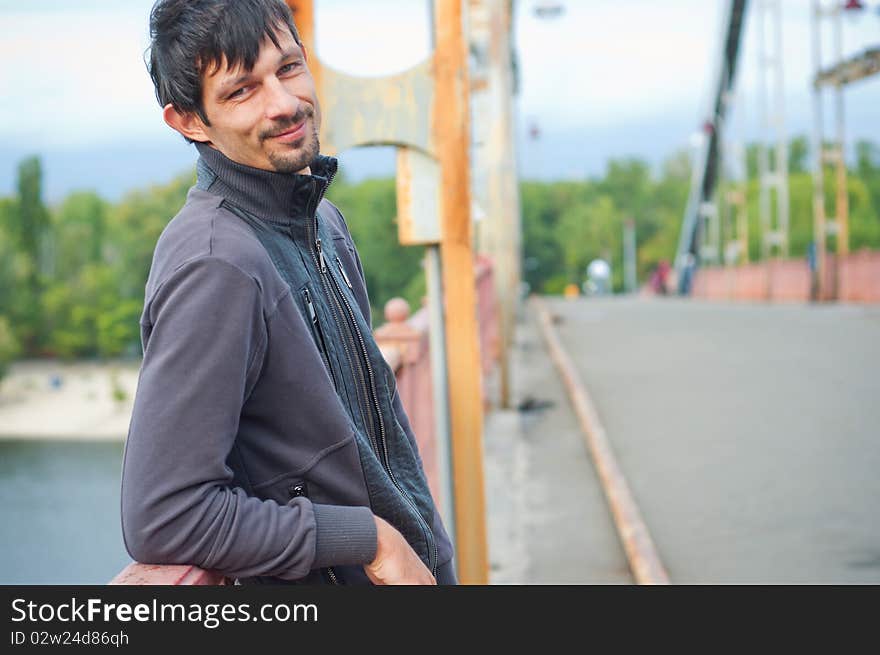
(237, 93)
(287, 68)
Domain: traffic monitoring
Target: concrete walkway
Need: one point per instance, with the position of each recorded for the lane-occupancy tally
(749, 434)
(548, 521)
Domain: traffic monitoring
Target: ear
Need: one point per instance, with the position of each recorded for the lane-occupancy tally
(187, 123)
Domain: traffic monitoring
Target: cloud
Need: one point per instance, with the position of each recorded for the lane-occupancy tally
(379, 37)
(75, 77)
(601, 64)
(74, 74)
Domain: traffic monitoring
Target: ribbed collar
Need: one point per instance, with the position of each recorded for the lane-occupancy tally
(283, 197)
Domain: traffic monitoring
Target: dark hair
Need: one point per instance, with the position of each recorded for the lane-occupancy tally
(189, 37)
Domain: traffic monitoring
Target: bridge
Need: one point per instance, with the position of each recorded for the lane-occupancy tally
(746, 432)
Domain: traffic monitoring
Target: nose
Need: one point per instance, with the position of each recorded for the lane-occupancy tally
(280, 103)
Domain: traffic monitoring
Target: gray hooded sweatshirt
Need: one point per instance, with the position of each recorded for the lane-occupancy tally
(267, 429)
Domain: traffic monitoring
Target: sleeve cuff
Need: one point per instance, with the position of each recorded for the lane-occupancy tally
(344, 535)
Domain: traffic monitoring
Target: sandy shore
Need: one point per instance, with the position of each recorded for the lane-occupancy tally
(44, 399)
(57, 400)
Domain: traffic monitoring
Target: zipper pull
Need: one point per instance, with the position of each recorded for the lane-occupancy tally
(321, 255)
(342, 270)
(312, 313)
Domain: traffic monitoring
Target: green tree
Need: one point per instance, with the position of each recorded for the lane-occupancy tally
(78, 233)
(798, 150)
(542, 205)
(9, 347)
(119, 329)
(592, 230)
(27, 225)
(8, 278)
(133, 228)
(77, 309)
(868, 170)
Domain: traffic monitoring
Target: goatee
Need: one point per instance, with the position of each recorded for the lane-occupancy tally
(294, 157)
(301, 154)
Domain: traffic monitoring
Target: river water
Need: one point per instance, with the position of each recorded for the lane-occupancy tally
(59, 512)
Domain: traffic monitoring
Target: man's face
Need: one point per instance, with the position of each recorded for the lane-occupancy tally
(267, 118)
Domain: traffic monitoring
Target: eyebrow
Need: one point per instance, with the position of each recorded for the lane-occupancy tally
(228, 86)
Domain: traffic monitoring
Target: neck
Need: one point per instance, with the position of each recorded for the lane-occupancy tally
(266, 194)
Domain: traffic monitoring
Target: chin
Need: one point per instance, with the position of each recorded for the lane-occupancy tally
(293, 161)
(286, 165)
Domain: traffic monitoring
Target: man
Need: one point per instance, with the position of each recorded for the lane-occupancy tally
(267, 441)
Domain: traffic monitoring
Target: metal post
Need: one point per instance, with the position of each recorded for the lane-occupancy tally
(495, 171)
(774, 229)
(503, 184)
(742, 213)
(629, 258)
(734, 171)
(842, 205)
(763, 163)
(773, 177)
(452, 130)
(782, 199)
(440, 380)
(819, 231)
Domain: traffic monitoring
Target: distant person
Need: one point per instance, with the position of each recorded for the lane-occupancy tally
(268, 441)
(599, 277)
(660, 278)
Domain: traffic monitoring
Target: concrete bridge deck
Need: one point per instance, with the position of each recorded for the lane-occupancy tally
(749, 435)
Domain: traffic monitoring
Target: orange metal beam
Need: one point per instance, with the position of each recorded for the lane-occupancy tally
(452, 137)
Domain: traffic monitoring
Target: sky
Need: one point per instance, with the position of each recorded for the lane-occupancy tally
(606, 79)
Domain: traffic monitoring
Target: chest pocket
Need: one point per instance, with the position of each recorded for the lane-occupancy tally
(312, 318)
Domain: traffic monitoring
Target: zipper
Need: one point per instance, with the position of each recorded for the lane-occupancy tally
(342, 270)
(295, 491)
(349, 344)
(386, 460)
(319, 335)
(348, 340)
(321, 263)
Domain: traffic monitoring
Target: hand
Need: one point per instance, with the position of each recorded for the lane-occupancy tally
(396, 562)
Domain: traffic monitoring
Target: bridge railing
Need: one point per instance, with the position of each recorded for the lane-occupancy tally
(166, 574)
(404, 342)
(849, 278)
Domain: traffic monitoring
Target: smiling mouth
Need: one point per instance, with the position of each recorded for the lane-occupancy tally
(292, 134)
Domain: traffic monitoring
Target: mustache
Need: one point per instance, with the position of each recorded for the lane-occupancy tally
(283, 125)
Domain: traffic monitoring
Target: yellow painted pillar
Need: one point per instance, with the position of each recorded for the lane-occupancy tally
(451, 129)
